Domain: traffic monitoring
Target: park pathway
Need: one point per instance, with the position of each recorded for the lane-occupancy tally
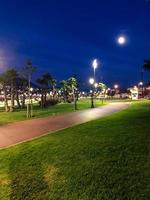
(17, 132)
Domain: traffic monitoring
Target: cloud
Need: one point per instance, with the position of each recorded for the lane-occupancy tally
(8, 56)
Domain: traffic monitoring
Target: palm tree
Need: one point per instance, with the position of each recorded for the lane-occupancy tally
(9, 81)
(72, 82)
(11, 76)
(28, 71)
(44, 82)
(4, 88)
(146, 64)
(41, 82)
(22, 84)
(102, 88)
(50, 81)
(64, 89)
(53, 82)
(146, 67)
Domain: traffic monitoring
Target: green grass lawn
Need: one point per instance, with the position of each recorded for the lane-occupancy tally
(105, 159)
(19, 115)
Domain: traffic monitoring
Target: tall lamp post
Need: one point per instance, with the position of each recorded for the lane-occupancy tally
(91, 81)
(116, 88)
(141, 87)
(142, 80)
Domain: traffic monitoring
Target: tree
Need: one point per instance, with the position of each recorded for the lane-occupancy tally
(146, 64)
(72, 82)
(4, 88)
(42, 82)
(50, 81)
(45, 81)
(28, 71)
(11, 76)
(53, 82)
(22, 84)
(9, 81)
(65, 89)
(102, 89)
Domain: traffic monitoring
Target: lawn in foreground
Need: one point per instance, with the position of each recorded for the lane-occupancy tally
(107, 159)
(20, 114)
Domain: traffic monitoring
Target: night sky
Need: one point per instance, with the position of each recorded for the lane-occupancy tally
(62, 37)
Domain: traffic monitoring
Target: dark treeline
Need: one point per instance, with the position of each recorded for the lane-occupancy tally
(17, 88)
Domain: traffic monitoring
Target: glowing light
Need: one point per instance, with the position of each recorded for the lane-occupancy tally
(121, 40)
(116, 86)
(95, 63)
(141, 83)
(96, 85)
(91, 81)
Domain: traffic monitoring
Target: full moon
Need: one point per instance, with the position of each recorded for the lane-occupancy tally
(121, 40)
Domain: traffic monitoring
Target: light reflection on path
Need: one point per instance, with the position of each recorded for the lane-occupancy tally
(12, 134)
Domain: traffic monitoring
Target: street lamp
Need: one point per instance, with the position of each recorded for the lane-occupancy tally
(140, 83)
(94, 64)
(116, 89)
(141, 87)
(96, 85)
(91, 81)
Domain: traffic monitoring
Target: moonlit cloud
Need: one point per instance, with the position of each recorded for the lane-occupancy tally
(8, 55)
(3, 62)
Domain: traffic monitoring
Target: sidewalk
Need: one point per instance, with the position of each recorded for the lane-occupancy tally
(14, 133)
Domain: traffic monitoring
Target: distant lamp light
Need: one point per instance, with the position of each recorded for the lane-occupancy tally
(91, 91)
(31, 89)
(91, 81)
(116, 86)
(96, 85)
(140, 83)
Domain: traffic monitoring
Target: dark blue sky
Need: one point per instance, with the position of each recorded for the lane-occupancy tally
(63, 36)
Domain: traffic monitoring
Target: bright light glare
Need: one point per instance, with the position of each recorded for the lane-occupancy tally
(116, 86)
(91, 81)
(95, 64)
(96, 85)
(141, 83)
(121, 40)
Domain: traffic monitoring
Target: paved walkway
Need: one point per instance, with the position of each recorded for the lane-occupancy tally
(14, 133)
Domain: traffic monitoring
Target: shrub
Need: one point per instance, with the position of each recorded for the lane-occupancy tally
(49, 102)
